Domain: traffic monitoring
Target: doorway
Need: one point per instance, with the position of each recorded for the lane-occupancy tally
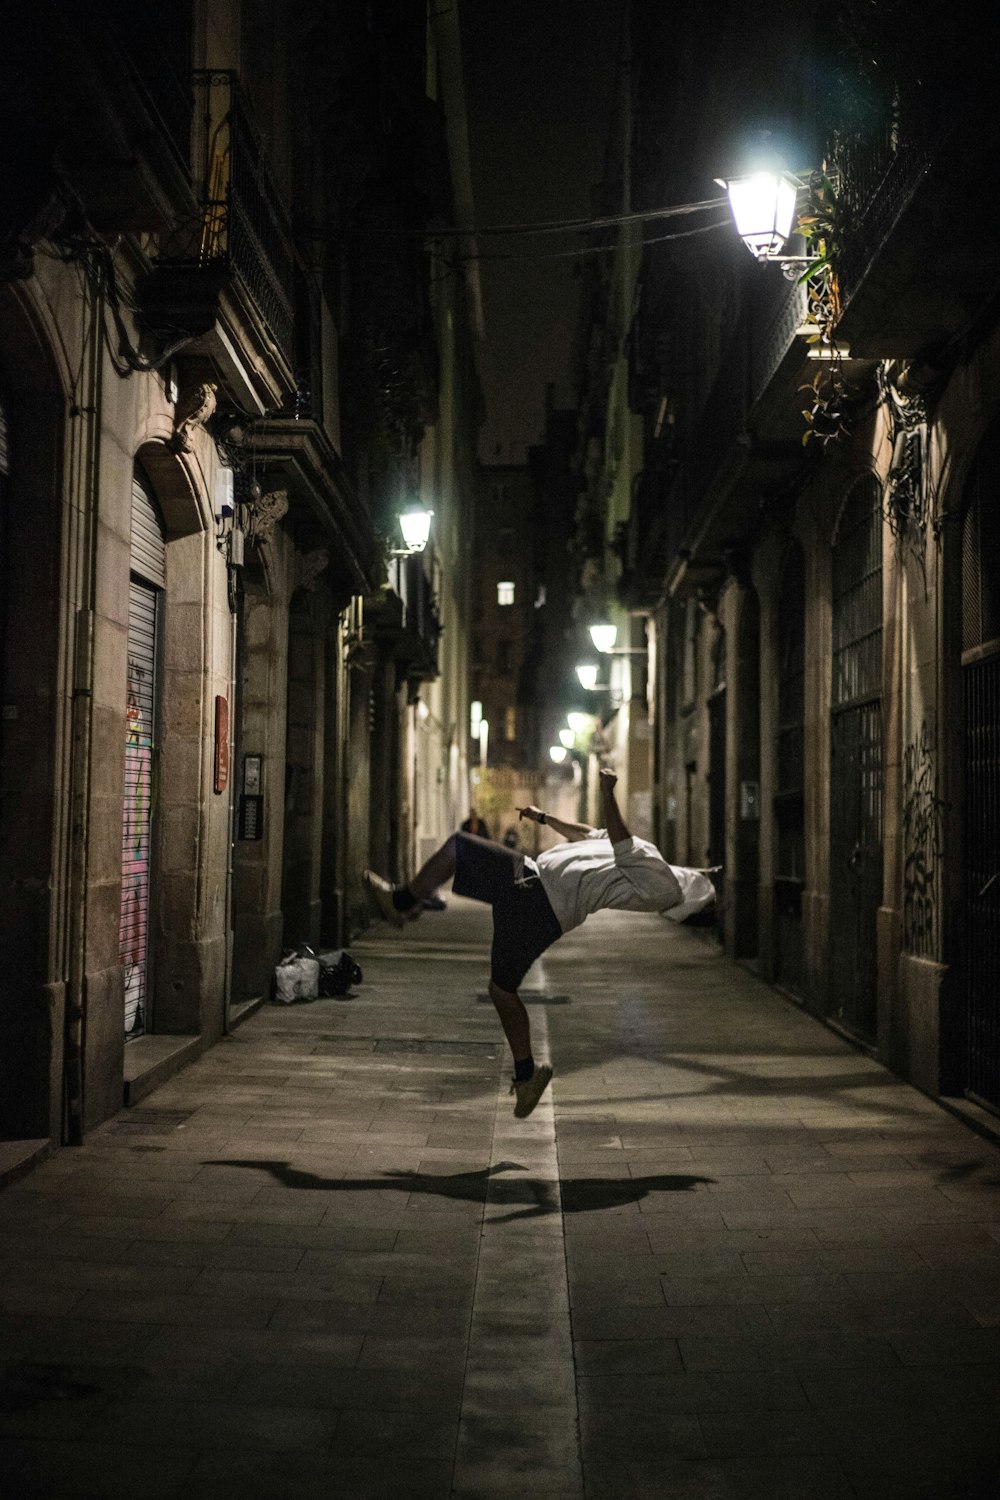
(856, 762)
(981, 800)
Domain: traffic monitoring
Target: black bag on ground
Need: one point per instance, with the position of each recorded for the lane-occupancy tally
(337, 972)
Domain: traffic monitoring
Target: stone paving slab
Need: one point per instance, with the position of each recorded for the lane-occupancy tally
(728, 1257)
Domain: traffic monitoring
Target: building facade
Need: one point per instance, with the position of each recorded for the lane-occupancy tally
(811, 528)
(220, 380)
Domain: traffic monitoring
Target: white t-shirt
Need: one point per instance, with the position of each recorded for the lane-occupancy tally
(593, 874)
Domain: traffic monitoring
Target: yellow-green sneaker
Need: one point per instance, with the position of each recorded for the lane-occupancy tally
(380, 892)
(530, 1090)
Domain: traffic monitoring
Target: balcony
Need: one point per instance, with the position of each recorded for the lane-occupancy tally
(227, 277)
(919, 258)
(105, 90)
(299, 450)
(406, 620)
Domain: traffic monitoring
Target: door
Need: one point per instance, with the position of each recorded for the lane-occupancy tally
(980, 957)
(789, 796)
(856, 767)
(141, 748)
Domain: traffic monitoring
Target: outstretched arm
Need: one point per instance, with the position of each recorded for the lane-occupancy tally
(571, 831)
(612, 817)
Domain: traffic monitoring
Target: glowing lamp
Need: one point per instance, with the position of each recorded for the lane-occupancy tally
(763, 208)
(558, 753)
(604, 636)
(587, 673)
(415, 524)
(567, 738)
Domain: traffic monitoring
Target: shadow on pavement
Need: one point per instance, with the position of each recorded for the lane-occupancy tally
(538, 1197)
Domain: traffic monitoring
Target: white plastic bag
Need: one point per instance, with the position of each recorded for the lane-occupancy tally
(296, 979)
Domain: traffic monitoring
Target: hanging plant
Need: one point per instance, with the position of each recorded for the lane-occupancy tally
(820, 224)
(832, 404)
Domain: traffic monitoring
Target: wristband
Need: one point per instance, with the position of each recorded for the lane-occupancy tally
(540, 818)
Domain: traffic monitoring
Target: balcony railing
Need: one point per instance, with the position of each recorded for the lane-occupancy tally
(879, 165)
(242, 229)
(420, 612)
(157, 39)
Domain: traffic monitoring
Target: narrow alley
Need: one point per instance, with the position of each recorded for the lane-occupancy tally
(729, 1255)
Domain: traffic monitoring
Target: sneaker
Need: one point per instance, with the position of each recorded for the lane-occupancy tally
(530, 1091)
(380, 892)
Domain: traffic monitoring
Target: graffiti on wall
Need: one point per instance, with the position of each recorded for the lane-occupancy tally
(136, 812)
(921, 842)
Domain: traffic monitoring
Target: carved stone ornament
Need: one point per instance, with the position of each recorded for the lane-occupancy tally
(906, 490)
(264, 512)
(308, 567)
(195, 405)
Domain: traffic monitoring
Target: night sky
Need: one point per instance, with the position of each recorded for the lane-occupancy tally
(541, 78)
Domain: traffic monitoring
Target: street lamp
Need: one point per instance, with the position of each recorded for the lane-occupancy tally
(567, 738)
(763, 209)
(587, 672)
(604, 636)
(558, 754)
(415, 524)
(579, 723)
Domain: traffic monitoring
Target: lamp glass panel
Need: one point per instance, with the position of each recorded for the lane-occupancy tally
(416, 528)
(558, 753)
(604, 636)
(567, 738)
(580, 723)
(587, 674)
(763, 208)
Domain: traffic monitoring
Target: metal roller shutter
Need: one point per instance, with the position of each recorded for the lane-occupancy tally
(148, 560)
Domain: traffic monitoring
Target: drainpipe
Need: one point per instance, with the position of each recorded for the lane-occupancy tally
(234, 770)
(80, 574)
(79, 845)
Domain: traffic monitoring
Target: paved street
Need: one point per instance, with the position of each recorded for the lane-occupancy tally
(728, 1257)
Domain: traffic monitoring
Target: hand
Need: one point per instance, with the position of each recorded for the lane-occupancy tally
(533, 813)
(609, 779)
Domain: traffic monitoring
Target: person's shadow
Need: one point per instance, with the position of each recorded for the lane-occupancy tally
(528, 1197)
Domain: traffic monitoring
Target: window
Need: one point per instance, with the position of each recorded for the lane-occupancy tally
(510, 724)
(505, 593)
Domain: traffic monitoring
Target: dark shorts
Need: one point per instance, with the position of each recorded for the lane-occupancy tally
(524, 924)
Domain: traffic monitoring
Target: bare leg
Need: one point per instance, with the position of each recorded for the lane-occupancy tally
(439, 868)
(514, 1020)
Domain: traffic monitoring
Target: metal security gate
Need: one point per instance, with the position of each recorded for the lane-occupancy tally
(856, 762)
(980, 956)
(138, 812)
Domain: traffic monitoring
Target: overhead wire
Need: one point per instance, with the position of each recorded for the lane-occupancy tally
(582, 250)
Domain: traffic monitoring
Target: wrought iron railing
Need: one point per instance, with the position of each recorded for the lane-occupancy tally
(420, 611)
(878, 165)
(157, 38)
(242, 228)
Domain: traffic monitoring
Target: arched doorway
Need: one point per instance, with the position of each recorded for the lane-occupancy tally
(856, 760)
(980, 960)
(789, 794)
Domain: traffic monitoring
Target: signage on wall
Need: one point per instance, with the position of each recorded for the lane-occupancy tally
(250, 825)
(221, 744)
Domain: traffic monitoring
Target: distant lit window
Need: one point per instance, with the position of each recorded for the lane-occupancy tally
(510, 724)
(505, 593)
